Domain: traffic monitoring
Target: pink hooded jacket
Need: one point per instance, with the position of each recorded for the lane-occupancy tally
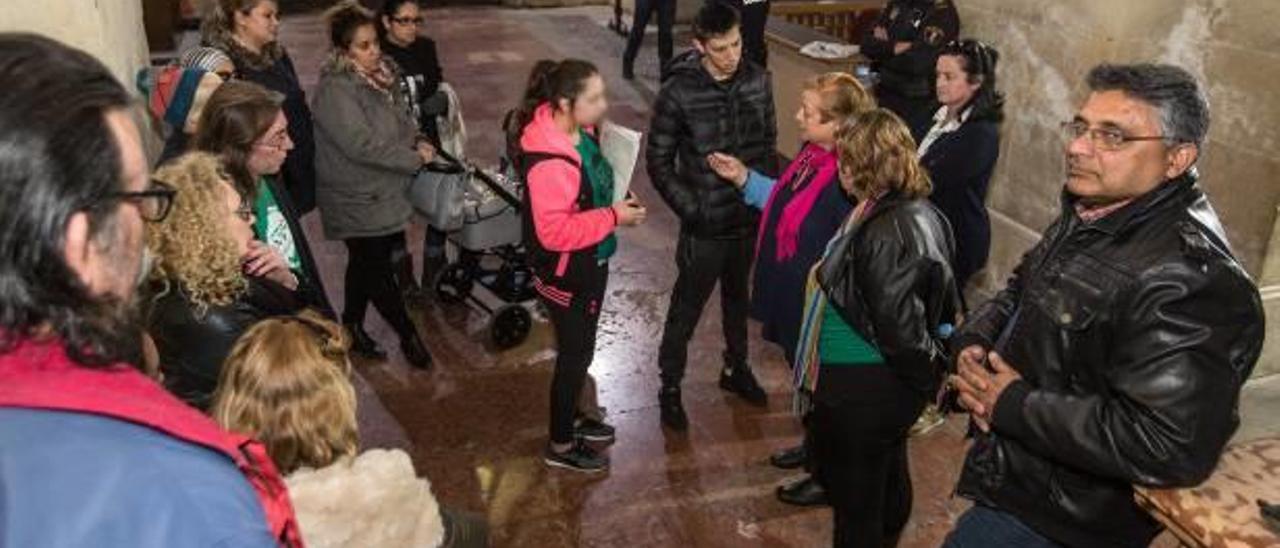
(553, 187)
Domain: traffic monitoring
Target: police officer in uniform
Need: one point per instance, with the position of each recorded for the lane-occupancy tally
(903, 44)
(755, 14)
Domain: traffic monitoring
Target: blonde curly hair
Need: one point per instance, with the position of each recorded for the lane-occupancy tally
(192, 247)
(287, 383)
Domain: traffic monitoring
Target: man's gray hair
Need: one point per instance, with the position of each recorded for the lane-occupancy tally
(1174, 92)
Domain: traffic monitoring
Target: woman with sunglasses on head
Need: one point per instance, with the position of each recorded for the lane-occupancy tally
(960, 152)
(961, 148)
(208, 282)
(369, 150)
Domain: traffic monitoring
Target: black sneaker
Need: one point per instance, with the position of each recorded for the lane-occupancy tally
(590, 429)
(579, 458)
(740, 381)
(672, 409)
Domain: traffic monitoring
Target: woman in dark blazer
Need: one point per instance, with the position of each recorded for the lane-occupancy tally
(961, 148)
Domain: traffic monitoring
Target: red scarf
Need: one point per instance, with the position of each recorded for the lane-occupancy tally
(39, 375)
(816, 164)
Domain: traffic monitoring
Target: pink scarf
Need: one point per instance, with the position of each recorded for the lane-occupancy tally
(815, 163)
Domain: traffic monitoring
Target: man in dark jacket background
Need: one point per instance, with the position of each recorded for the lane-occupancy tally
(1116, 355)
(712, 101)
(903, 43)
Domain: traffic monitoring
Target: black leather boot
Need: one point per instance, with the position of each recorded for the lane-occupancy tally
(416, 352)
(364, 345)
(672, 409)
(791, 457)
(802, 492)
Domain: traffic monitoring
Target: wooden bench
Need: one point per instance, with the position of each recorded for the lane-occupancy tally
(845, 20)
(1223, 512)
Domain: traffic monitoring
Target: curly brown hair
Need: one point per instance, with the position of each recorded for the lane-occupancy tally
(877, 154)
(287, 383)
(192, 247)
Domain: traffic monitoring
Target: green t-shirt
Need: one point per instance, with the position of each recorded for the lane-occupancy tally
(838, 343)
(272, 228)
(600, 173)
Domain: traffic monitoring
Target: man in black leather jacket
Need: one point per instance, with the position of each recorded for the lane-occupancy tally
(712, 101)
(1116, 354)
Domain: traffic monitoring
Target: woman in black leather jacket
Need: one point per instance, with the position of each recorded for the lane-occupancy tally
(205, 293)
(869, 355)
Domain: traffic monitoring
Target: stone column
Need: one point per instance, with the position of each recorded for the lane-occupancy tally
(111, 30)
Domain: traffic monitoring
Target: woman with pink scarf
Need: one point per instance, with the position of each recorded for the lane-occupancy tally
(802, 211)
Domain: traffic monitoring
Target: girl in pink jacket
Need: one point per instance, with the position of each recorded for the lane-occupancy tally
(569, 220)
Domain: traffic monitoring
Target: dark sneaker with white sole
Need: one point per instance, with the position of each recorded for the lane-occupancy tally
(590, 429)
(578, 458)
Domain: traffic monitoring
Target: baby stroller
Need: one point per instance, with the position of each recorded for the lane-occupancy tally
(491, 254)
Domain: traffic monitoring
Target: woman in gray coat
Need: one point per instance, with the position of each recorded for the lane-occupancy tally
(367, 151)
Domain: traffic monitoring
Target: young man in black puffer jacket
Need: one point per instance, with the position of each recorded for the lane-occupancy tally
(712, 101)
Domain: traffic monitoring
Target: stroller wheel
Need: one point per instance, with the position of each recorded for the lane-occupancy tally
(453, 284)
(511, 325)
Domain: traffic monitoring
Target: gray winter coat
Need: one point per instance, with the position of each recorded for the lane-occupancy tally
(365, 155)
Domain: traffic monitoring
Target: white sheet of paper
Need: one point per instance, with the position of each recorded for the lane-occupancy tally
(620, 145)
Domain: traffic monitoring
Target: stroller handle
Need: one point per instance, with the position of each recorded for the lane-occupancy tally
(447, 163)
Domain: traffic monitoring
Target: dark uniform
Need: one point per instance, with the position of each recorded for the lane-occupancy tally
(906, 79)
(754, 13)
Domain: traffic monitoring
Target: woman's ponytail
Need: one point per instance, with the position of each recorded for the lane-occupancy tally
(549, 81)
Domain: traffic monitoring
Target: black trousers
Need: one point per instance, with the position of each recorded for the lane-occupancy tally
(858, 446)
(754, 17)
(371, 277)
(701, 263)
(576, 326)
(666, 18)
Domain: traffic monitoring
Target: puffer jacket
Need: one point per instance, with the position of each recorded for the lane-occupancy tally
(694, 116)
(890, 279)
(365, 155)
(1133, 335)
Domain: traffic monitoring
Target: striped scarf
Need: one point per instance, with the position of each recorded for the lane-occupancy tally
(808, 364)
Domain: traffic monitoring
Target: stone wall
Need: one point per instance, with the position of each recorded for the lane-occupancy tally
(111, 30)
(1046, 48)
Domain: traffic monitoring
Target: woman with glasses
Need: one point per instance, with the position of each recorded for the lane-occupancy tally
(421, 76)
(369, 149)
(210, 279)
(244, 124)
(247, 31)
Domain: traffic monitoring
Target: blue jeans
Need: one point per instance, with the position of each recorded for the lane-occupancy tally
(984, 527)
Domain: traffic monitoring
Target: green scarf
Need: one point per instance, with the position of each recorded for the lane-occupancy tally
(600, 174)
